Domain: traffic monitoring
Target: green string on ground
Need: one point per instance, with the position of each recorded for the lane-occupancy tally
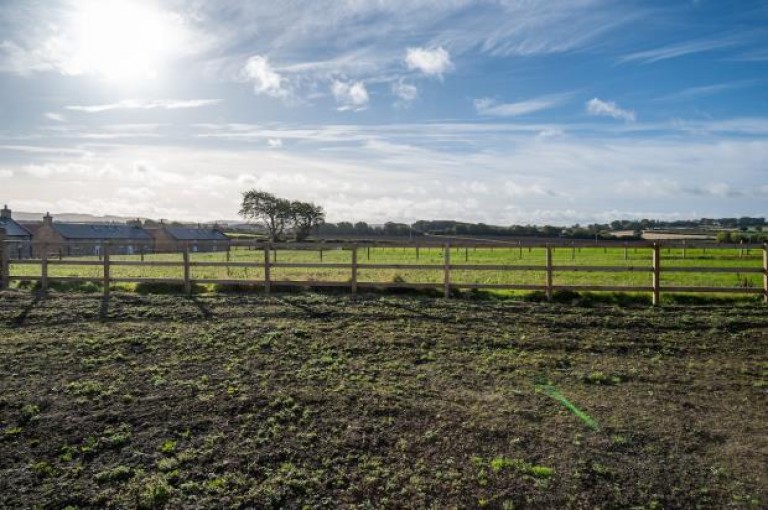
(552, 392)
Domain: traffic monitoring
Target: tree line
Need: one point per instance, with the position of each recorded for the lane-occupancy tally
(280, 216)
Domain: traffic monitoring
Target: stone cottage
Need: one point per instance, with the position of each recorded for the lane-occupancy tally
(198, 239)
(65, 239)
(19, 238)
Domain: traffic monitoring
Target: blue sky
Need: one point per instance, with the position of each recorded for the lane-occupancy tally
(495, 111)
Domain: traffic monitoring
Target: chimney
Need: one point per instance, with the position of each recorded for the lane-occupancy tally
(5, 213)
(48, 219)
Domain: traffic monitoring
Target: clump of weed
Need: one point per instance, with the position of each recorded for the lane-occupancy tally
(116, 474)
(153, 492)
(29, 413)
(12, 432)
(602, 379)
(43, 469)
(168, 446)
(498, 464)
(167, 464)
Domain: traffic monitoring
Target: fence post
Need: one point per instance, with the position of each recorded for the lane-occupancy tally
(354, 269)
(187, 281)
(549, 272)
(105, 283)
(656, 274)
(44, 269)
(684, 246)
(4, 261)
(626, 251)
(266, 269)
(765, 273)
(447, 270)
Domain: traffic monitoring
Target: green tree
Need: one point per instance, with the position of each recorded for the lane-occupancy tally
(272, 212)
(305, 216)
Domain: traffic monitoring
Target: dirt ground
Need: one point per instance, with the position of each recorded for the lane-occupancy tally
(321, 401)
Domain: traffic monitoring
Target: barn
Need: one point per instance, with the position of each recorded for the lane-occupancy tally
(66, 239)
(19, 246)
(198, 239)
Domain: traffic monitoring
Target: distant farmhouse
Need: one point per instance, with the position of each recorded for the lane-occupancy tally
(124, 239)
(78, 239)
(198, 239)
(19, 236)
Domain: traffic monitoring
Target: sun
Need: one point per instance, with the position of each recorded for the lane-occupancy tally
(123, 40)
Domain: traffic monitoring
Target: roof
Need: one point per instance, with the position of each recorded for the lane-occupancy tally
(31, 227)
(101, 231)
(196, 234)
(13, 229)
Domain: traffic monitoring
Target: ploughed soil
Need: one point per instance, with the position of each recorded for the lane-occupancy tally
(321, 401)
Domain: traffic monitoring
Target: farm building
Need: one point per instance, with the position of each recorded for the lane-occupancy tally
(89, 238)
(198, 239)
(20, 246)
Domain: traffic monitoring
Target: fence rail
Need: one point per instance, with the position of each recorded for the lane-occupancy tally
(50, 254)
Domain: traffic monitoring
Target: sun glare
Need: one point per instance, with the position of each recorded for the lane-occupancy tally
(123, 40)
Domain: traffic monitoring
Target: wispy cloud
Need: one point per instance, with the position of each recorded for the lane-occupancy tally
(679, 50)
(405, 92)
(143, 104)
(430, 61)
(491, 107)
(350, 96)
(602, 108)
(57, 117)
(707, 90)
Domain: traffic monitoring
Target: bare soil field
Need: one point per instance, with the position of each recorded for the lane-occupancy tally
(323, 401)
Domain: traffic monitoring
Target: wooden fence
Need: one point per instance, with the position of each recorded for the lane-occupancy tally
(46, 256)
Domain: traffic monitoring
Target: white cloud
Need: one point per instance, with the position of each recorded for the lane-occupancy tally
(17, 60)
(602, 108)
(405, 92)
(550, 133)
(350, 96)
(39, 149)
(265, 79)
(432, 62)
(57, 117)
(274, 143)
(6, 174)
(515, 189)
(488, 106)
(143, 104)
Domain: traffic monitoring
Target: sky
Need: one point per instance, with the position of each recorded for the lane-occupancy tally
(503, 112)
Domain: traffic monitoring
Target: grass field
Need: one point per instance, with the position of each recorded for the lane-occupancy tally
(635, 257)
(317, 401)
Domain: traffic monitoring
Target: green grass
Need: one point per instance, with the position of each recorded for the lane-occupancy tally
(319, 401)
(636, 257)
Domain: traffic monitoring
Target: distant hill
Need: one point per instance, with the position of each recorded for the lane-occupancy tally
(92, 218)
(71, 217)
